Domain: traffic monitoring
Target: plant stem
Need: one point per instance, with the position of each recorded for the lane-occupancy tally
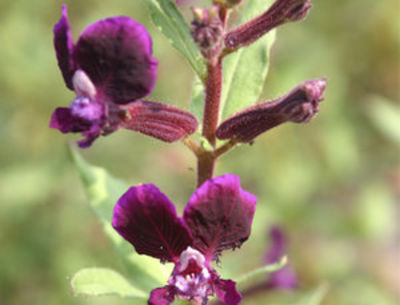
(213, 97)
(206, 160)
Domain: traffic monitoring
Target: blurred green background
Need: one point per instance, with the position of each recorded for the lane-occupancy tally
(334, 184)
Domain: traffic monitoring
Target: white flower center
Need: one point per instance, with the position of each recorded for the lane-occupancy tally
(83, 86)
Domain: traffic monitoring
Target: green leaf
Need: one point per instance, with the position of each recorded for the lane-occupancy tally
(103, 191)
(197, 101)
(103, 281)
(261, 271)
(385, 115)
(246, 69)
(173, 25)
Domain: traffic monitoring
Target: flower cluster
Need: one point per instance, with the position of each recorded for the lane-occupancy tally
(111, 70)
(217, 217)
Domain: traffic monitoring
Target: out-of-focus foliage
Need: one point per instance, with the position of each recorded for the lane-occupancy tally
(334, 183)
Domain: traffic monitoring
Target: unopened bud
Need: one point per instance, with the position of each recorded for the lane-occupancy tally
(207, 30)
(164, 122)
(281, 11)
(300, 105)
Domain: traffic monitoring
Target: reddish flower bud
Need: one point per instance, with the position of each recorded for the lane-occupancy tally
(207, 30)
(299, 106)
(282, 11)
(164, 122)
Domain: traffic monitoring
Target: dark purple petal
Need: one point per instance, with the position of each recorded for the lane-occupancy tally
(226, 291)
(64, 48)
(162, 296)
(286, 277)
(63, 120)
(300, 105)
(116, 55)
(219, 215)
(147, 219)
(164, 122)
(90, 135)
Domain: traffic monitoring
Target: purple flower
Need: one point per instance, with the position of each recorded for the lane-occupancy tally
(217, 217)
(284, 278)
(110, 69)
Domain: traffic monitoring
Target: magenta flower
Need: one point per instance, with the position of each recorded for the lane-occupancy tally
(111, 69)
(286, 277)
(217, 217)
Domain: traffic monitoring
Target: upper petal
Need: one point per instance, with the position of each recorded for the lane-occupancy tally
(116, 55)
(64, 48)
(226, 291)
(219, 215)
(147, 219)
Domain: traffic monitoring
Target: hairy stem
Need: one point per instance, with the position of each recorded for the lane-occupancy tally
(213, 98)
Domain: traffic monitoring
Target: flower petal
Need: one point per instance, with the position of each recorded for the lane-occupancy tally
(162, 296)
(63, 120)
(164, 122)
(64, 48)
(286, 277)
(300, 105)
(219, 215)
(116, 55)
(147, 219)
(226, 291)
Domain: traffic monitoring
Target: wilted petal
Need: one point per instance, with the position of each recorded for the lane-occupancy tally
(286, 277)
(164, 122)
(63, 120)
(116, 55)
(219, 215)
(64, 48)
(300, 105)
(162, 296)
(147, 219)
(226, 291)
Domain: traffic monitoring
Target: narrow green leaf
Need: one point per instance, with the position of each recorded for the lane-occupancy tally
(103, 191)
(173, 25)
(263, 270)
(197, 102)
(246, 69)
(103, 281)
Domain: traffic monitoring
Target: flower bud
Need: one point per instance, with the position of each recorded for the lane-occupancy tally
(300, 105)
(282, 11)
(161, 121)
(207, 30)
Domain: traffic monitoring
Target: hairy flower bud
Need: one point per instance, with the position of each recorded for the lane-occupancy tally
(299, 106)
(164, 122)
(282, 11)
(207, 30)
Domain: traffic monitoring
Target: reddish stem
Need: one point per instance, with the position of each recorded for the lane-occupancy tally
(213, 97)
